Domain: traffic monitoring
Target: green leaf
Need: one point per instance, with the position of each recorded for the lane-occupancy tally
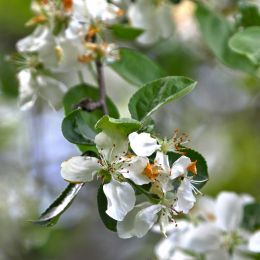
(157, 93)
(136, 68)
(249, 15)
(247, 43)
(50, 216)
(124, 125)
(216, 31)
(125, 32)
(110, 223)
(78, 127)
(202, 168)
(80, 92)
(251, 217)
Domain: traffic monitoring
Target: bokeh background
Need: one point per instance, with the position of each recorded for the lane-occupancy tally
(221, 117)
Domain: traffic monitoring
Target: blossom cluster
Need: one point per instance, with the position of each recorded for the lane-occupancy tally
(214, 231)
(137, 163)
(71, 34)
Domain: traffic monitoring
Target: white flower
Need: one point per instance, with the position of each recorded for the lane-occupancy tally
(154, 18)
(185, 198)
(222, 229)
(143, 144)
(112, 147)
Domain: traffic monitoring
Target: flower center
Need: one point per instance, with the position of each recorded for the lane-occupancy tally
(192, 168)
(151, 171)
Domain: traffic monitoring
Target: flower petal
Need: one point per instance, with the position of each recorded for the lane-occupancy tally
(229, 211)
(163, 177)
(205, 208)
(167, 247)
(180, 166)
(27, 89)
(111, 144)
(185, 197)
(134, 169)
(80, 169)
(120, 199)
(254, 242)
(138, 221)
(51, 90)
(143, 144)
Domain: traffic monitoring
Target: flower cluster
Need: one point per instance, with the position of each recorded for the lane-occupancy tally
(72, 34)
(143, 167)
(68, 35)
(214, 231)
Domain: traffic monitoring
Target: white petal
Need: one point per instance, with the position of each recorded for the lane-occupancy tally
(143, 144)
(229, 211)
(134, 168)
(163, 177)
(161, 159)
(203, 238)
(80, 169)
(51, 90)
(179, 167)
(138, 221)
(185, 197)
(205, 208)
(27, 89)
(37, 40)
(167, 246)
(254, 242)
(111, 144)
(120, 199)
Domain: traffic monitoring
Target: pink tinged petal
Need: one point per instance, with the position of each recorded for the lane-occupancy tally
(80, 169)
(120, 199)
(229, 211)
(143, 144)
(134, 169)
(185, 197)
(254, 242)
(203, 238)
(139, 221)
(180, 166)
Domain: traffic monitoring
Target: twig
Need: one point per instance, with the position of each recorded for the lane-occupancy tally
(102, 87)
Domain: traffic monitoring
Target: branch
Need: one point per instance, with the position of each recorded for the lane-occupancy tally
(102, 87)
